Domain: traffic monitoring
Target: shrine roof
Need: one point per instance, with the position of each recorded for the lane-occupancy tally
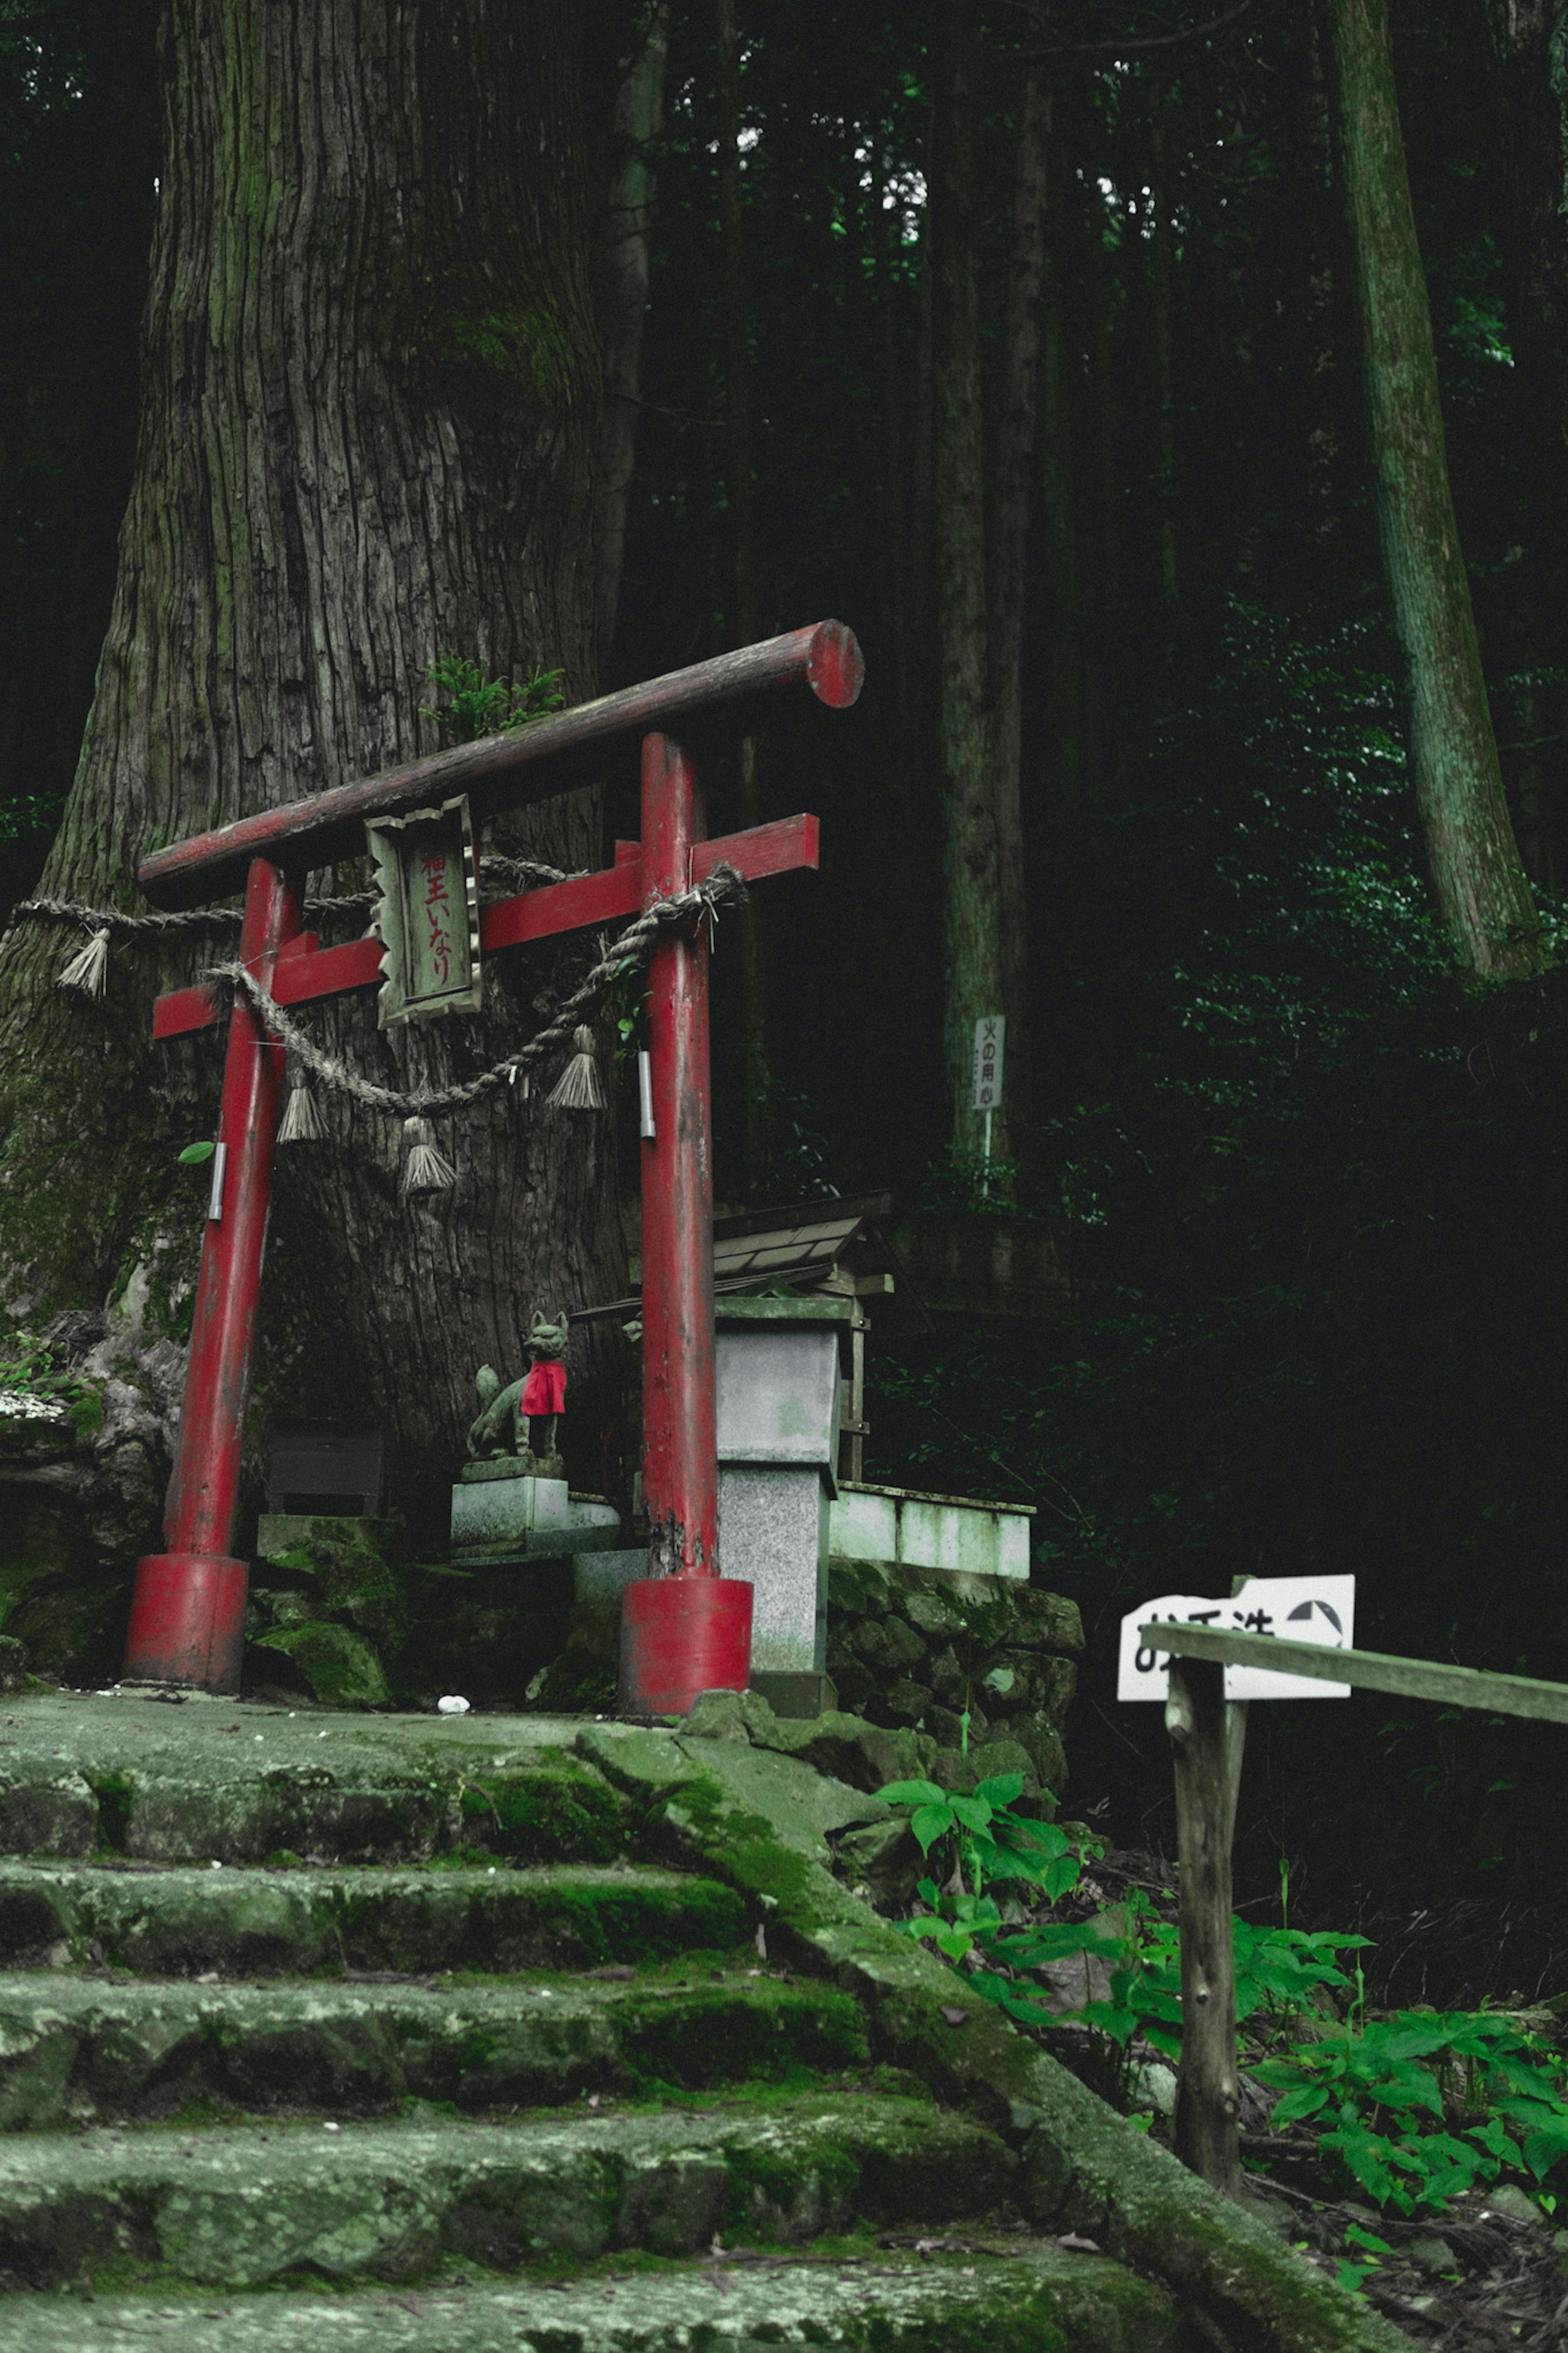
(811, 1244)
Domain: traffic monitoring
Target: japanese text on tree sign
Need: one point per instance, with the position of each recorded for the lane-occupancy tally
(990, 1038)
(1298, 1609)
(438, 914)
(427, 913)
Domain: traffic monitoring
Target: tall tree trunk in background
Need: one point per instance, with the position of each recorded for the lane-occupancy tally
(737, 427)
(1058, 537)
(371, 410)
(974, 960)
(1532, 39)
(1164, 254)
(623, 298)
(1007, 554)
(1103, 736)
(1472, 856)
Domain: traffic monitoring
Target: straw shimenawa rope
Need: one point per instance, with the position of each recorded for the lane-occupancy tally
(120, 926)
(723, 887)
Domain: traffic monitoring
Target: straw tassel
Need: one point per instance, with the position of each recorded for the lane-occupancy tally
(301, 1118)
(578, 1088)
(425, 1170)
(89, 969)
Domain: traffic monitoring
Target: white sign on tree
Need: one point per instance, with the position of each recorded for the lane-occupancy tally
(989, 1038)
(1298, 1609)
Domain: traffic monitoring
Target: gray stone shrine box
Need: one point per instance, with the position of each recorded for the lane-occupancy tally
(327, 1470)
(321, 1471)
(781, 1369)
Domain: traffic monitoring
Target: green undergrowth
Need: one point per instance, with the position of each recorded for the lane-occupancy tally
(1415, 2109)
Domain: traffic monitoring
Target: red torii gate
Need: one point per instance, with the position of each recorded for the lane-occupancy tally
(685, 1629)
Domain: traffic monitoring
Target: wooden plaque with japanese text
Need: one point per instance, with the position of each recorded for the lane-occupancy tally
(428, 915)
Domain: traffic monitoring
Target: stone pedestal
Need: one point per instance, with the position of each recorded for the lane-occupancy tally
(778, 1394)
(500, 1512)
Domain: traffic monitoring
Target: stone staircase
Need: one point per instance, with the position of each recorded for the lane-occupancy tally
(510, 2032)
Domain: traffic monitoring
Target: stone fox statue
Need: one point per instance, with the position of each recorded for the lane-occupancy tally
(505, 1424)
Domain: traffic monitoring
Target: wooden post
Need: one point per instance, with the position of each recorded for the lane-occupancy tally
(1206, 1739)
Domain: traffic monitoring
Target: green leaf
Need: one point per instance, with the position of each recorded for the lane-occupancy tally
(1546, 2147)
(973, 1812)
(1307, 2102)
(913, 1793)
(1001, 1788)
(929, 1823)
(194, 1154)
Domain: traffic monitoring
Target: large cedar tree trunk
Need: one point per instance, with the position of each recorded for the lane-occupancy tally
(623, 265)
(973, 964)
(371, 407)
(1472, 857)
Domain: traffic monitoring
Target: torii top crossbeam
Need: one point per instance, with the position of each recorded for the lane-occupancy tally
(502, 772)
(688, 1628)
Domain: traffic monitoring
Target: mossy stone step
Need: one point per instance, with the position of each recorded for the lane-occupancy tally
(219, 1781)
(299, 1923)
(239, 2207)
(76, 2051)
(1032, 2299)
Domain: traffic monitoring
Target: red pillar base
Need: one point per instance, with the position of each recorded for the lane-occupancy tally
(682, 1635)
(187, 1620)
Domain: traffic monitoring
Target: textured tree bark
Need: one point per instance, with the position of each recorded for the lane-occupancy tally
(1531, 40)
(623, 298)
(1007, 555)
(743, 555)
(1472, 857)
(371, 405)
(1163, 255)
(973, 971)
(1207, 1738)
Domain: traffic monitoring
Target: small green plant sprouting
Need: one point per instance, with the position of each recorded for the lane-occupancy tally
(980, 1838)
(469, 704)
(30, 1379)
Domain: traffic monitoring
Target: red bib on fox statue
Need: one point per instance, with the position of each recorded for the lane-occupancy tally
(544, 1390)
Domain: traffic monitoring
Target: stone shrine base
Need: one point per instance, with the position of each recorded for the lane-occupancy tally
(501, 1510)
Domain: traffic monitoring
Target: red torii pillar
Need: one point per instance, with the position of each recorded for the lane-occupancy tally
(685, 1629)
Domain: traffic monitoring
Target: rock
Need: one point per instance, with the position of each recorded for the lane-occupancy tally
(14, 1674)
(885, 1859)
(732, 1715)
(904, 1702)
(947, 1729)
(1037, 1736)
(865, 1755)
(339, 1666)
(1154, 2088)
(994, 1757)
(1433, 2253)
(856, 1684)
(888, 1645)
(1515, 2205)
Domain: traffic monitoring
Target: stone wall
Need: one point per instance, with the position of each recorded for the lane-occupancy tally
(911, 1648)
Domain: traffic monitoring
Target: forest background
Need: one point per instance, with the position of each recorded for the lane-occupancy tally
(1305, 1171)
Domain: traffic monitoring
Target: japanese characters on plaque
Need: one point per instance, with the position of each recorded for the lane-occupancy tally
(990, 1041)
(1295, 1609)
(428, 917)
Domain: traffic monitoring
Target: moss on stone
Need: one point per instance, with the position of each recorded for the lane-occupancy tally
(339, 1666)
